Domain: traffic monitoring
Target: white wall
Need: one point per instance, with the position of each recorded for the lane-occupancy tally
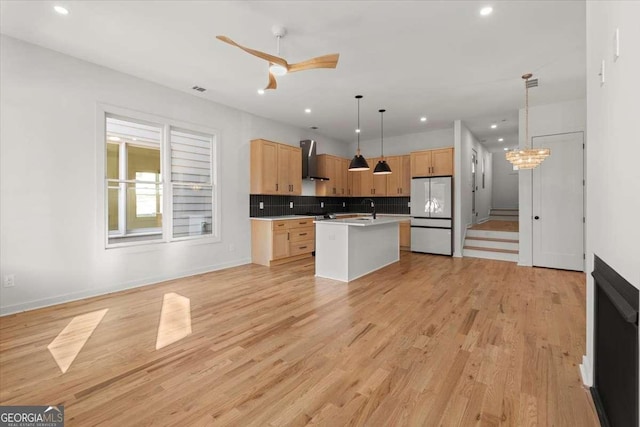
(613, 175)
(505, 183)
(404, 144)
(464, 143)
(52, 233)
(547, 119)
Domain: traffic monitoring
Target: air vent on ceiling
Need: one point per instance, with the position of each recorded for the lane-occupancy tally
(198, 88)
(532, 83)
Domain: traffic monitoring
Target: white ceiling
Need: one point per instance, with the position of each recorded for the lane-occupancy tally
(435, 58)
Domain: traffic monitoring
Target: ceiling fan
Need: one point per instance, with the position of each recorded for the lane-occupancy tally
(279, 66)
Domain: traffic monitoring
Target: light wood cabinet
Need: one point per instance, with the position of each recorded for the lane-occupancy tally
(370, 184)
(405, 236)
(399, 181)
(281, 241)
(354, 185)
(334, 168)
(432, 162)
(275, 168)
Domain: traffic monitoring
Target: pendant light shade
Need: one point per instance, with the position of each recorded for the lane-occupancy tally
(358, 163)
(527, 157)
(382, 168)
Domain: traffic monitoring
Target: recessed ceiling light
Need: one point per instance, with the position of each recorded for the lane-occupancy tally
(500, 139)
(114, 138)
(486, 10)
(357, 130)
(61, 10)
(423, 119)
(260, 91)
(506, 149)
(493, 126)
(307, 110)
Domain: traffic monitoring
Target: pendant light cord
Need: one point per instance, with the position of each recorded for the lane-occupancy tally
(382, 134)
(358, 97)
(526, 111)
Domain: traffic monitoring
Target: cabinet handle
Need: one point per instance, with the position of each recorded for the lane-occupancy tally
(276, 187)
(280, 225)
(303, 247)
(287, 235)
(302, 234)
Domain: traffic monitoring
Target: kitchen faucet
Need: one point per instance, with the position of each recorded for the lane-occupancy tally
(373, 205)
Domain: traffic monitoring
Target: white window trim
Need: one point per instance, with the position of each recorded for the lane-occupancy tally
(102, 110)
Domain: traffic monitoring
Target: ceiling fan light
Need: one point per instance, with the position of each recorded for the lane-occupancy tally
(277, 70)
(382, 168)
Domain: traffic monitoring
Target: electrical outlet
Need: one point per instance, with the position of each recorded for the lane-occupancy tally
(408, 204)
(261, 205)
(344, 204)
(372, 205)
(322, 204)
(9, 280)
(290, 205)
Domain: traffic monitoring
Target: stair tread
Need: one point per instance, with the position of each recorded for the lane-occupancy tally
(492, 239)
(479, 248)
(502, 214)
(503, 209)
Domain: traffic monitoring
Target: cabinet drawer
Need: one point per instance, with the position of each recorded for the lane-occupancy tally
(280, 225)
(300, 234)
(303, 247)
(296, 223)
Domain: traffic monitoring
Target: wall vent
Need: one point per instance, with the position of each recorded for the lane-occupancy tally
(199, 89)
(532, 83)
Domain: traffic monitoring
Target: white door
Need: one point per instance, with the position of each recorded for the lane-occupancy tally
(558, 203)
(474, 163)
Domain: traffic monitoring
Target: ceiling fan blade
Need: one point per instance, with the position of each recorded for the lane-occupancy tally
(261, 55)
(272, 82)
(326, 61)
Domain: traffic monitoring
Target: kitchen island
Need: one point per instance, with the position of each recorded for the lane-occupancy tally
(350, 248)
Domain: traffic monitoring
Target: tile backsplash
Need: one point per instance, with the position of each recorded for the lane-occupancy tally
(280, 205)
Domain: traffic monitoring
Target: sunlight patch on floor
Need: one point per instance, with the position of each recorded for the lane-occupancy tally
(68, 344)
(175, 320)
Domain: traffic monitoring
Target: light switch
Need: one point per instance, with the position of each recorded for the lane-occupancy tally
(601, 73)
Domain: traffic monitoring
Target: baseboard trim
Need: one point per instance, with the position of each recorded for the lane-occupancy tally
(75, 296)
(586, 372)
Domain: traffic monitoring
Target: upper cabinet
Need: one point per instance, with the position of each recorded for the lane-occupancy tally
(399, 180)
(275, 168)
(334, 168)
(432, 162)
(370, 184)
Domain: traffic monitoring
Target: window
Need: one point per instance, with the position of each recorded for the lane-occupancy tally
(136, 154)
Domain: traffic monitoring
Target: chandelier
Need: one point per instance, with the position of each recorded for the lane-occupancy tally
(527, 157)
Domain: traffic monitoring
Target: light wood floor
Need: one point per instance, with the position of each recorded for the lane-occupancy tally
(494, 225)
(428, 341)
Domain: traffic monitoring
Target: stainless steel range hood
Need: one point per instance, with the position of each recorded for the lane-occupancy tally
(310, 161)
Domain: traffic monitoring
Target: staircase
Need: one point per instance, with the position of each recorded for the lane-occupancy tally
(504, 214)
(489, 244)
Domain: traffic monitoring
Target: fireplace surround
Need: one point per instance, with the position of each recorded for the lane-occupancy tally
(615, 389)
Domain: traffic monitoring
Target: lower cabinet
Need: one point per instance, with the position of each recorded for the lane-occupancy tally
(405, 236)
(280, 241)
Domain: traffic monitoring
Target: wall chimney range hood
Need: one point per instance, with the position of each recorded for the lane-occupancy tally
(310, 161)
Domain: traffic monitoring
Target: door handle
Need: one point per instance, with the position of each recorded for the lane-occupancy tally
(536, 217)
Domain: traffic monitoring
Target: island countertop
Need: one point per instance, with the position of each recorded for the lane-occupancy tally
(361, 222)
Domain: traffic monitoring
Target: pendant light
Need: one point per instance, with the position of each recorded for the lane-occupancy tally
(358, 163)
(382, 168)
(527, 157)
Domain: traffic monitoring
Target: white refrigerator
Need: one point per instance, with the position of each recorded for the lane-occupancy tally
(432, 215)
